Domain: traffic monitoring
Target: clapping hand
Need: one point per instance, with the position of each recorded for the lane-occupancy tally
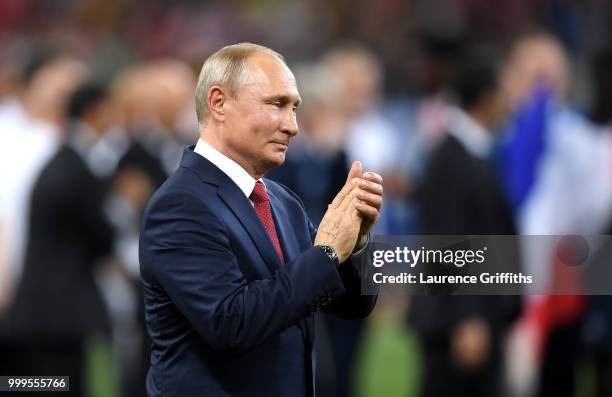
(352, 213)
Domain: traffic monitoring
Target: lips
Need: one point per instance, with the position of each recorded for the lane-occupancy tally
(284, 144)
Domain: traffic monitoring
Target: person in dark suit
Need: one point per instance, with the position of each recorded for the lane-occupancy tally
(57, 305)
(460, 195)
(230, 273)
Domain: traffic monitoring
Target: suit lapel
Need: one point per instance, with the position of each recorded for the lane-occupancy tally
(241, 207)
(283, 228)
(291, 250)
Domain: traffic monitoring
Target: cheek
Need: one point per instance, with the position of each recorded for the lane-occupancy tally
(265, 125)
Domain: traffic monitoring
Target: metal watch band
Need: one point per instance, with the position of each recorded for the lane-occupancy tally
(330, 252)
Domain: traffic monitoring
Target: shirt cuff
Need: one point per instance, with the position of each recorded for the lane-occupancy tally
(362, 249)
(358, 255)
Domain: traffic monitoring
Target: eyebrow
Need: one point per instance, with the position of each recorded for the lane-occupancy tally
(284, 99)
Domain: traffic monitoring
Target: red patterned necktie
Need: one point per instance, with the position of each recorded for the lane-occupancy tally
(264, 211)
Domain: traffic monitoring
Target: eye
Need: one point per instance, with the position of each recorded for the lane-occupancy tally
(278, 104)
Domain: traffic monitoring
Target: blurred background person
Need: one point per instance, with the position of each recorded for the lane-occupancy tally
(31, 123)
(440, 52)
(57, 305)
(360, 75)
(34, 119)
(174, 105)
(462, 336)
(135, 91)
(157, 97)
(370, 136)
(557, 175)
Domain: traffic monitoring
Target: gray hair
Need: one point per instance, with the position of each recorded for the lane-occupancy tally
(225, 68)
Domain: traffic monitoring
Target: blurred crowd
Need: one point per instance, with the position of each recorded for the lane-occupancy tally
(478, 122)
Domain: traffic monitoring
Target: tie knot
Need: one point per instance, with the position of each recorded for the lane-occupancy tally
(259, 194)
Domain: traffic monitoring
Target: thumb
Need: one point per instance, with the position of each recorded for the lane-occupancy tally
(355, 171)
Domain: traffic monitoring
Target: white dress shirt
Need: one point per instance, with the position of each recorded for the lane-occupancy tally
(232, 169)
(243, 179)
(26, 146)
(472, 136)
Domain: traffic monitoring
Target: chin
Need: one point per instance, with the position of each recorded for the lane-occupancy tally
(275, 160)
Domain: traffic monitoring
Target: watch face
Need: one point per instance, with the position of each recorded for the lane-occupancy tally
(329, 251)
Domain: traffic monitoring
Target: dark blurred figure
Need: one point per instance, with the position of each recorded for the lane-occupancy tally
(439, 54)
(57, 306)
(32, 118)
(597, 328)
(601, 111)
(461, 335)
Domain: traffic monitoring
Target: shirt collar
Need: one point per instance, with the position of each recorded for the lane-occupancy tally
(232, 169)
(82, 138)
(469, 133)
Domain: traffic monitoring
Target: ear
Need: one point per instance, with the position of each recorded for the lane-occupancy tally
(216, 100)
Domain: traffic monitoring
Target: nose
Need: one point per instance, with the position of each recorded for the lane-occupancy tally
(289, 125)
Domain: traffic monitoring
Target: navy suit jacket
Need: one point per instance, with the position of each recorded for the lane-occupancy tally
(225, 317)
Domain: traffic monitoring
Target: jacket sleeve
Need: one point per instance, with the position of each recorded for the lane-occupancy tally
(352, 304)
(186, 250)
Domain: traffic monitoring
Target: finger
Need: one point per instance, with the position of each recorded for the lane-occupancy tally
(349, 201)
(374, 200)
(367, 211)
(371, 187)
(373, 177)
(354, 172)
(346, 189)
(356, 215)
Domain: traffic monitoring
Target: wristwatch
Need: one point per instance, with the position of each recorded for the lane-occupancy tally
(330, 252)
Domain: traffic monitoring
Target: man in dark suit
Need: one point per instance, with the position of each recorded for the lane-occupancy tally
(460, 195)
(57, 305)
(230, 273)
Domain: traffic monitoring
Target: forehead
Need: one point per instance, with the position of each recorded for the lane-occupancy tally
(268, 74)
